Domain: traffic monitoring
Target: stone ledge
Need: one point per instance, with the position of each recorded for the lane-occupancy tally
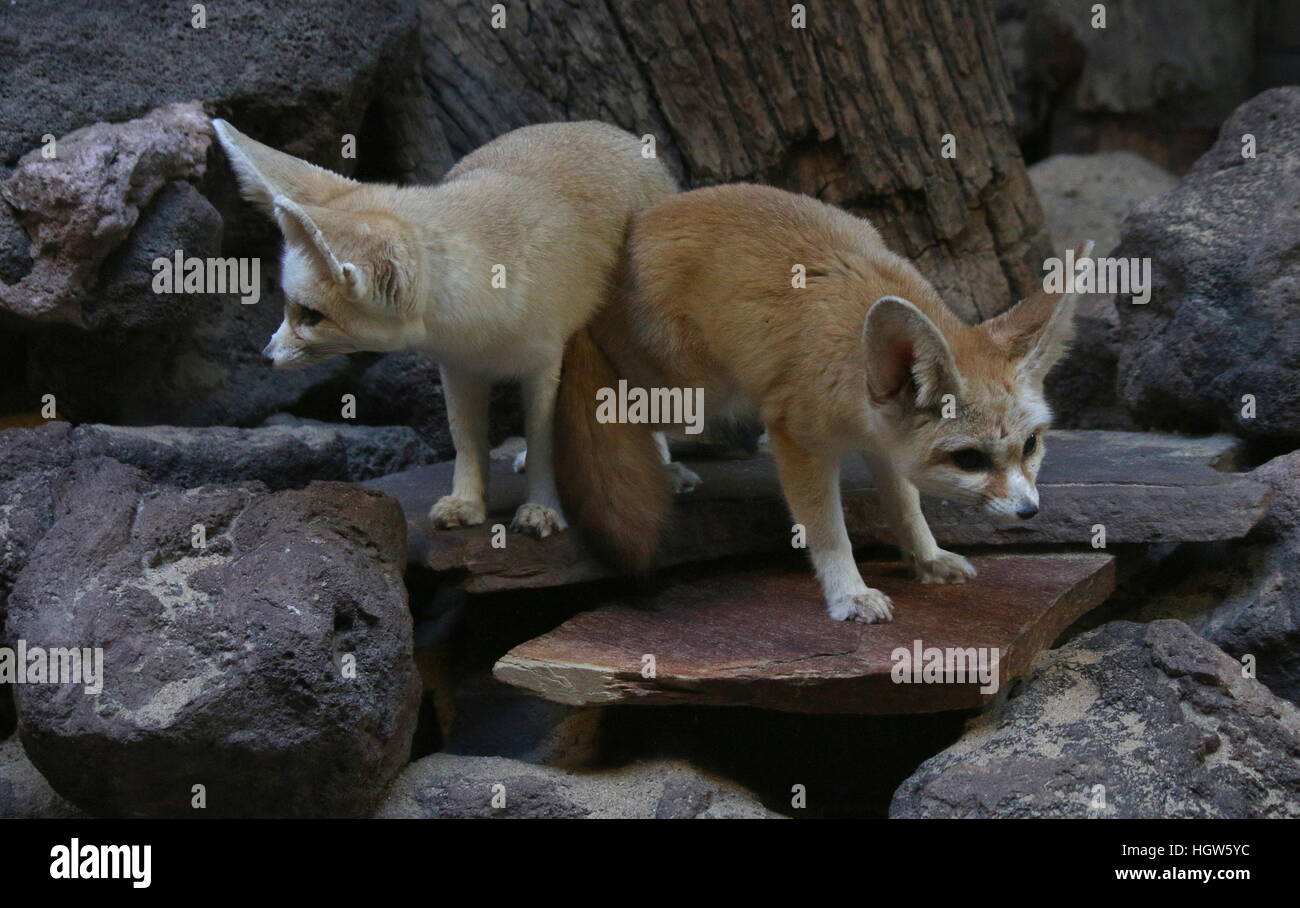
(761, 638)
(1141, 487)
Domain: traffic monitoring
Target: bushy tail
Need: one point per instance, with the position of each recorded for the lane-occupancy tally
(611, 480)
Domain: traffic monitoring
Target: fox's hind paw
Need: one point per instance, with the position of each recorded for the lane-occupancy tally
(944, 567)
(537, 520)
(450, 511)
(684, 479)
(869, 606)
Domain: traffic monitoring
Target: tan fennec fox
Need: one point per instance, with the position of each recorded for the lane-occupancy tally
(491, 272)
(860, 360)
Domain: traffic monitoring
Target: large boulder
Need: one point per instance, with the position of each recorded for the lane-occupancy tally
(1244, 596)
(1216, 346)
(270, 664)
(1129, 720)
(288, 454)
(445, 786)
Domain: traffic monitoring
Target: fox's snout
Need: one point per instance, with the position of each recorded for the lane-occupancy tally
(1025, 511)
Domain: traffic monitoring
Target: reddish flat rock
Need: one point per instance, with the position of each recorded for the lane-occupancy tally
(761, 637)
(1141, 487)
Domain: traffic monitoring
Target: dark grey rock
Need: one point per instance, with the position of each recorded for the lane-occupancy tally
(130, 355)
(1081, 389)
(227, 665)
(24, 793)
(300, 76)
(80, 205)
(286, 454)
(1244, 596)
(1129, 720)
(1221, 320)
(32, 463)
(448, 786)
(8, 718)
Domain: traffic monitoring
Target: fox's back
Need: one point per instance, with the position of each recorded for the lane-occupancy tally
(594, 166)
(713, 289)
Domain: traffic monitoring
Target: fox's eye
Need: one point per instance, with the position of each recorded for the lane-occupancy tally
(970, 459)
(310, 317)
(1031, 444)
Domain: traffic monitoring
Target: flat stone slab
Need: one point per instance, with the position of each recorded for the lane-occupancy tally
(761, 637)
(1141, 487)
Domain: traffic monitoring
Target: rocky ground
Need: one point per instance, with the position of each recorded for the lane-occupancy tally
(283, 635)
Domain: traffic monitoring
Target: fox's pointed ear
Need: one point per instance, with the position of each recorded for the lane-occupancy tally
(301, 231)
(265, 173)
(906, 353)
(1037, 331)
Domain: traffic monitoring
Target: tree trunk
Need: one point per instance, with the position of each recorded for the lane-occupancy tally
(853, 109)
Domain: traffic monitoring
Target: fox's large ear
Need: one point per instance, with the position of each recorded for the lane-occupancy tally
(1037, 331)
(301, 231)
(906, 353)
(265, 173)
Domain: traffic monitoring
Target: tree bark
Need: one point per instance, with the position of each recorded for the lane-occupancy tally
(853, 109)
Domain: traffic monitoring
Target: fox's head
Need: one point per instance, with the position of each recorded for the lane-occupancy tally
(348, 270)
(964, 408)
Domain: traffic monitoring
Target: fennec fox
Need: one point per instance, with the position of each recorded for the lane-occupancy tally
(491, 272)
(861, 360)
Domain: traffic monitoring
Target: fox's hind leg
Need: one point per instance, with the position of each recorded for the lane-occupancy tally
(541, 514)
(902, 505)
(811, 483)
(467, 396)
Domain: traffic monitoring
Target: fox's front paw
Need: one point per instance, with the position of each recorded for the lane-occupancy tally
(450, 511)
(870, 606)
(520, 464)
(537, 520)
(944, 567)
(684, 479)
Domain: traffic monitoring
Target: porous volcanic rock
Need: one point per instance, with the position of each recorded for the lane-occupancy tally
(271, 664)
(1224, 246)
(448, 786)
(1128, 720)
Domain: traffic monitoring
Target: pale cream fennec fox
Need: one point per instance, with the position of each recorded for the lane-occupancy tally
(491, 272)
(860, 360)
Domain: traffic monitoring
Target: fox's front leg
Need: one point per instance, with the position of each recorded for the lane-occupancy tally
(541, 514)
(811, 483)
(468, 397)
(902, 504)
(683, 478)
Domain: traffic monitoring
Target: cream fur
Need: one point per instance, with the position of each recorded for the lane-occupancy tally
(392, 268)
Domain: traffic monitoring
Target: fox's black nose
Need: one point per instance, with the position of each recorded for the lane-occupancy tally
(1027, 511)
